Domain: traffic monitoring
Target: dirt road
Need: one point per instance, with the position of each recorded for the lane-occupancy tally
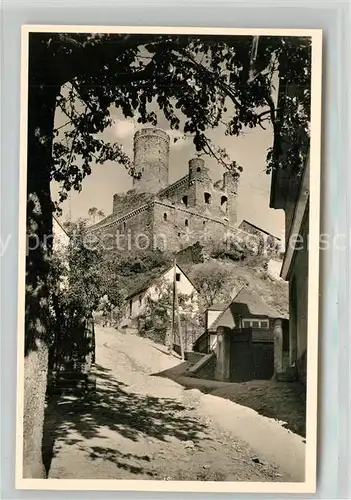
(142, 426)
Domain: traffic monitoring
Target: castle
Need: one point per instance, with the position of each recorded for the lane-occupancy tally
(156, 214)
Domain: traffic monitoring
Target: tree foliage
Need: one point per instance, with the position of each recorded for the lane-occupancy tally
(197, 82)
(213, 283)
(156, 316)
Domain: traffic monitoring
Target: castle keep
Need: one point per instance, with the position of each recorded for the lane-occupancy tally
(156, 214)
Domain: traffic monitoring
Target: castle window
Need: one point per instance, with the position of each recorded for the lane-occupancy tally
(124, 226)
(165, 216)
(178, 234)
(224, 204)
(204, 223)
(140, 299)
(186, 222)
(207, 198)
(177, 276)
(185, 200)
(198, 169)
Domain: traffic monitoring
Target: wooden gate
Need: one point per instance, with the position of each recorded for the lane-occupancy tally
(263, 360)
(241, 357)
(250, 359)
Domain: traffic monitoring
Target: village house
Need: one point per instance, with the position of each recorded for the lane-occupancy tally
(153, 287)
(290, 192)
(248, 338)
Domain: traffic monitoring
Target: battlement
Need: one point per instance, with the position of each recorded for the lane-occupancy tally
(151, 132)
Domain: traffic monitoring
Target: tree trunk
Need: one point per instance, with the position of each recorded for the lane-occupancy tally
(41, 110)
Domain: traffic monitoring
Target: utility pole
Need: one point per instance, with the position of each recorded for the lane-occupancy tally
(175, 312)
(181, 340)
(171, 340)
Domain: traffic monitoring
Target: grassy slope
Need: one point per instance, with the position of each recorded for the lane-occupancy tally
(273, 291)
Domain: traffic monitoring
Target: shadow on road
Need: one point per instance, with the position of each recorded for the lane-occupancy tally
(113, 407)
(283, 401)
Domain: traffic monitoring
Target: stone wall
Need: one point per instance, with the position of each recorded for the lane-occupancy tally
(181, 227)
(191, 255)
(133, 231)
(208, 369)
(197, 191)
(124, 203)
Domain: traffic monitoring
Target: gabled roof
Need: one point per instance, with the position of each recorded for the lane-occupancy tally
(60, 225)
(246, 302)
(254, 303)
(147, 282)
(219, 307)
(150, 280)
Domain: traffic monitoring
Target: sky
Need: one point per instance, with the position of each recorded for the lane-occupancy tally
(249, 150)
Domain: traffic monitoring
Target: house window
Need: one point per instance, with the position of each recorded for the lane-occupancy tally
(177, 276)
(185, 200)
(207, 198)
(249, 323)
(186, 222)
(165, 216)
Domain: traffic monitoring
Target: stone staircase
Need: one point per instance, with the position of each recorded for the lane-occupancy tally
(203, 366)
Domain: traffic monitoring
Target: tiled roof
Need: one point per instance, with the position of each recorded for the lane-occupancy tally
(245, 303)
(219, 307)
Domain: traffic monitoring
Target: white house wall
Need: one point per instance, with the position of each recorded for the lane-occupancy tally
(60, 238)
(184, 287)
(212, 316)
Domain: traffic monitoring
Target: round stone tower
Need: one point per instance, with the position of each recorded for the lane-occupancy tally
(199, 184)
(197, 170)
(151, 160)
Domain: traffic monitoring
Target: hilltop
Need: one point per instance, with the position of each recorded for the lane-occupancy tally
(250, 270)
